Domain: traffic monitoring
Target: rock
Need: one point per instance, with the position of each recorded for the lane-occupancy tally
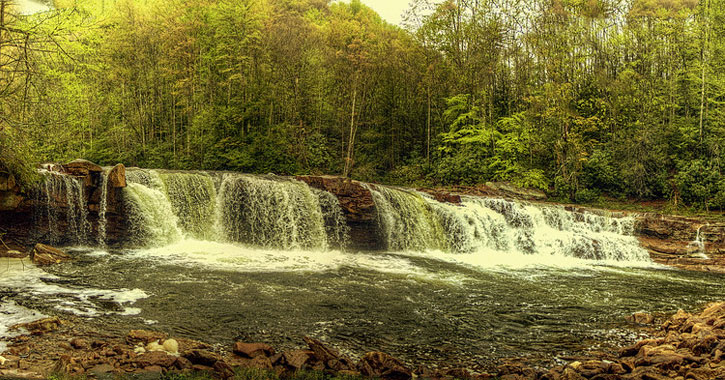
(384, 366)
(46, 255)
(641, 318)
(202, 357)
(154, 369)
(252, 350)
(144, 336)
(222, 370)
(117, 176)
(7, 182)
(155, 358)
(80, 166)
(298, 359)
(321, 352)
(40, 326)
(171, 346)
(79, 343)
(357, 205)
(183, 363)
(101, 369)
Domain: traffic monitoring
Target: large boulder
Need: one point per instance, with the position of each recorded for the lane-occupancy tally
(82, 168)
(384, 366)
(117, 176)
(46, 255)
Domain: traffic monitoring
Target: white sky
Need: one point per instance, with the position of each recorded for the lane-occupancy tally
(390, 10)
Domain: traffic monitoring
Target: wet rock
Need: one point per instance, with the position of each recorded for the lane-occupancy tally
(155, 358)
(154, 369)
(384, 366)
(144, 336)
(641, 318)
(46, 255)
(117, 176)
(40, 326)
(202, 357)
(252, 350)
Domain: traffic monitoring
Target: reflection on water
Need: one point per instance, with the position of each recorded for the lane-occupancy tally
(423, 307)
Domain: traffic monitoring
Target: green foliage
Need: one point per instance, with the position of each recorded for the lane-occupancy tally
(701, 184)
(579, 99)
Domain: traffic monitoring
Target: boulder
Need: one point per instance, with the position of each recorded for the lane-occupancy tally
(384, 366)
(46, 255)
(202, 357)
(252, 350)
(82, 166)
(117, 176)
(155, 358)
(298, 359)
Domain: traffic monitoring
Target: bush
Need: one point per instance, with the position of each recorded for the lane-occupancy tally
(699, 184)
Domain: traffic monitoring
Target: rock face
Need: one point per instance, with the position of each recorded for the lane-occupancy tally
(117, 176)
(686, 243)
(357, 206)
(46, 255)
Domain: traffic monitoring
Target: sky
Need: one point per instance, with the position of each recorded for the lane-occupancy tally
(390, 10)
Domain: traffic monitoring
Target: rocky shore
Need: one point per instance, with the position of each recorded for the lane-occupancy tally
(685, 346)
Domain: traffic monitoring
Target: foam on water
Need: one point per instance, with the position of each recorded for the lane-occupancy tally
(33, 282)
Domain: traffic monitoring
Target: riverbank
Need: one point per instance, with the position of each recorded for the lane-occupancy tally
(684, 346)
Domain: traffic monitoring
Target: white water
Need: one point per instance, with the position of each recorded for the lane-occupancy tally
(23, 277)
(102, 222)
(166, 207)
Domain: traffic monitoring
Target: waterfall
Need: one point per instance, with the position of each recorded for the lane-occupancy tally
(193, 200)
(490, 227)
(697, 246)
(277, 213)
(270, 212)
(149, 210)
(102, 222)
(406, 220)
(60, 193)
(338, 232)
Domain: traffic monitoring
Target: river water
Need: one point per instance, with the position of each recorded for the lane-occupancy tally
(225, 258)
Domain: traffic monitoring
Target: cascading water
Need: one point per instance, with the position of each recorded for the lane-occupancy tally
(497, 227)
(697, 246)
(226, 207)
(406, 220)
(63, 193)
(271, 213)
(103, 207)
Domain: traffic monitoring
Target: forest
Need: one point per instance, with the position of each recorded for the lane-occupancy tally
(580, 98)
